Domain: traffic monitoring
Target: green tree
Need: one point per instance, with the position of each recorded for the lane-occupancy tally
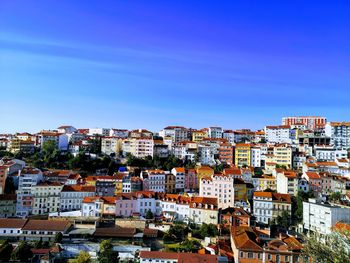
(83, 257)
(333, 248)
(22, 252)
(176, 233)
(283, 220)
(335, 196)
(5, 251)
(149, 214)
(206, 230)
(106, 253)
(58, 237)
(190, 246)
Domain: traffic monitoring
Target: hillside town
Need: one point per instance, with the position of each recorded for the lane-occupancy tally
(176, 195)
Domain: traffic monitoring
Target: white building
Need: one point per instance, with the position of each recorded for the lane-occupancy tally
(110, 145)
(287, 182)
(179, 173)
(72, 196)
(60, 139)
(67, 129)
(219, 186)
(215, 132)
(28, 178)
(46, 198)
(320, 218)
(99, 131)
(329, 153)
(121, 133)
(206, 153)
(255, 156)
(154, 180)
(268, 206)
(278, 134)
(339, 133)
(229, 135)
(176, 133)
(141, 147)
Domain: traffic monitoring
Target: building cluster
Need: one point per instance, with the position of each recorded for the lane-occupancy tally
(260, 174)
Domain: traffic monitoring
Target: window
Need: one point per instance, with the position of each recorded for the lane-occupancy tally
(242, 254)
(250, 255)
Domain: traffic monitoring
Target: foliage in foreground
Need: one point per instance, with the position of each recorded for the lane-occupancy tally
(336, 248)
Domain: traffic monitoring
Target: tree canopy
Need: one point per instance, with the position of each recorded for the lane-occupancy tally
(83, 257)
(333, 248)
(106, 253)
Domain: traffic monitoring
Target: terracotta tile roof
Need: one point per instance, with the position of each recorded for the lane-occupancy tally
(78, 188)
(180, 257)
(179, 169)
(105, 199)
(313, 175)
(340, 227)
(290, 174)
(245, 239)
(12, 223)
(204, 200)
(326, 164)
(233, 171)
(47, 225)
(274, 196)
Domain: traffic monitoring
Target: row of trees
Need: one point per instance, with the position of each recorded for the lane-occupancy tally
(21, 253)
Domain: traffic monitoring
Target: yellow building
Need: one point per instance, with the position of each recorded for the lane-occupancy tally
(240, 188)
(266, 182)
(119, 183)
(198, 136)
(279, 155)
(204, 171)
(242, 154)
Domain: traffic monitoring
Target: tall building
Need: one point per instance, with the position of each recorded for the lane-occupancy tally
(46, 198)
(320, 218)
(278, 134)
(268, 206)
(339, 133)
(311, 122)
(242, 154)
(215, 132)
(28, 178)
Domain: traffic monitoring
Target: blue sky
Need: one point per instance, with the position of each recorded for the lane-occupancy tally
(148, 64)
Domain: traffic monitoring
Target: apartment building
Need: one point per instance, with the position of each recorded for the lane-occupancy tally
(287, 182)
(28, 177)
(249, 246)
(111, 145)
(8, 205)
(46, 198)
(310, 122)
(242, 154)
(215, 132)
(99, 206)
(339, 133)
(72, 196)
(218, 186)
(268, 206)
(321, 217)
(154, 180)
(278, 134)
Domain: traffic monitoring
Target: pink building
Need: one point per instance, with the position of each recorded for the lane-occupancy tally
(191, 180)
